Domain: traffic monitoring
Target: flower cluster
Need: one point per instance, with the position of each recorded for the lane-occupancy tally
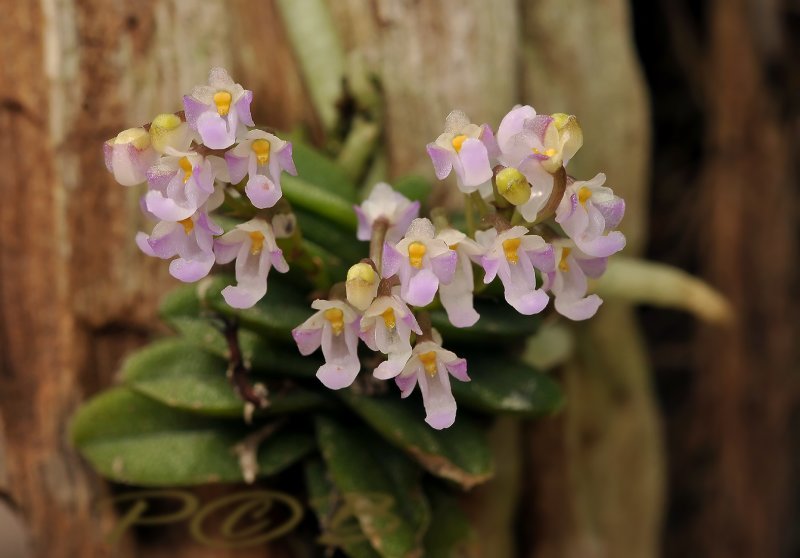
(562, 233)
(540, 231)
(191, 161)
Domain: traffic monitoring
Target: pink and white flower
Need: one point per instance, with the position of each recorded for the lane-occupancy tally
(216, 110)
(191, 240)
(386, 327)
(180, 183)
(129, 155)
(253, 246)
(335, 327)
(466, 148)
(457, 295)
(588, 212)
(421, 262)
(568, 282)
(513, 255)
(262, 157)
(384, 203)
(431, 366)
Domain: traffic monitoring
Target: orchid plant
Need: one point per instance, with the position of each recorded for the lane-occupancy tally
(225, 194)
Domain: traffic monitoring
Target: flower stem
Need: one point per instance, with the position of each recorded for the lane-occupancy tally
(469, 215)
(379, 228)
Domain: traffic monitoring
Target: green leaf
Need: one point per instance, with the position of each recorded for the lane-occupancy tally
(459, 453)
(338, 526)
(415, 188)
(132, 439)
(315, 168)
(450, 531)
(502, 385)
(498, 324)
(379, 485)
(315, 199)
(179, 374)
(331, 236)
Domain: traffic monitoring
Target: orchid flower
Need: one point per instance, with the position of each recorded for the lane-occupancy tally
(421, 261)
(457, 295)
(587, 213)
(386, 327)
(384, 203)
(567, 281)
(466, 148)
(253, 246)
(431, 366)
(216, 110)
(512, 255)
(262, 157)
(335, 327)
(129, 155)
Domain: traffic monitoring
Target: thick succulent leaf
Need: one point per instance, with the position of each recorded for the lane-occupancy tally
(415, 188)
(133, 439)
(178, 373)
(459, 453)
(450, 531)
(498, 324)
(331, 236)
(379, 485)
(503, 385)
(339, 528)
(315, 168)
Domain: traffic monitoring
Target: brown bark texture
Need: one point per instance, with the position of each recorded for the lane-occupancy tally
(744, 399)
(75, 293)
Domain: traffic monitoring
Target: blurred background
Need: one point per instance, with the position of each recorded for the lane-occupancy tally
(677, 439)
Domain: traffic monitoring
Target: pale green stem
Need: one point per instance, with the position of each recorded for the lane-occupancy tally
(302, 194)
(469, 215)
(319, 52)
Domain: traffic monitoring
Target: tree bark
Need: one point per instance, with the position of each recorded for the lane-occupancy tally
(75, 293)
(747, 390)
(597, 486)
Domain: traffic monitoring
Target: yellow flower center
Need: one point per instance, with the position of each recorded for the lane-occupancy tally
(584, 194)
(416, 251)
(428, 360)
(261, 148)
(563, 265)
(458, 141)
(223, 101)
(388, 318)
(336, 318)
(186, 166)
(188, 225)
(548, 152)
(510, 248)
(256, 242)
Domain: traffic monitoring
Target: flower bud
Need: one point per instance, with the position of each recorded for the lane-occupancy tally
(361, 285)
(129, 155)
(168, 130)
(513, 186)
(570, 134)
